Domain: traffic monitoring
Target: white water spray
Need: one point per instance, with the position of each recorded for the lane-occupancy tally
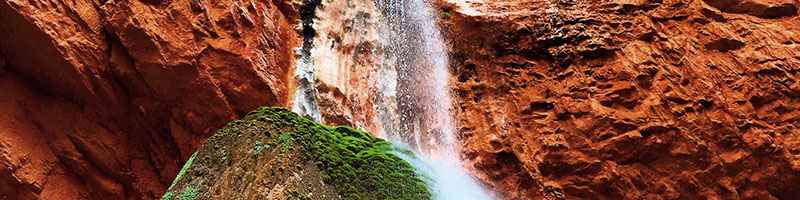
(305, 102)
(414, 99)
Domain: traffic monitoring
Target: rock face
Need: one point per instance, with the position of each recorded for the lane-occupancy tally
(676, 99)
(105, 99)
(272, 153)
(556, 99)
(345, 51)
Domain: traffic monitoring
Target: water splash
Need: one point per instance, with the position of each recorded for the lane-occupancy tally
(414, 99)
(446, 181)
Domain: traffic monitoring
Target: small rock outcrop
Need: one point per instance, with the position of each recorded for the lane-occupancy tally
(272, 153)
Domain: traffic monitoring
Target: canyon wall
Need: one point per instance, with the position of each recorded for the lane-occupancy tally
(599, 99)
(635, 99)
(555, 99)
(346, 57)
(106, 99)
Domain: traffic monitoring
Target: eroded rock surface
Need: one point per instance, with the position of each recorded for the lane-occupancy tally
(346, 58)
(556, 99)
(106, 99)
(676, 99)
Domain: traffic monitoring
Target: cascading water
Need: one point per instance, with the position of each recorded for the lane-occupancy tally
(305, 102)
(414, 109)
(414, 99)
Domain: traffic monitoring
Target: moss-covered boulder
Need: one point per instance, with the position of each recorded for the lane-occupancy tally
(272, 153)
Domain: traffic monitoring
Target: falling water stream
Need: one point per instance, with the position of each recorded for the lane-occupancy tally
(413, 99)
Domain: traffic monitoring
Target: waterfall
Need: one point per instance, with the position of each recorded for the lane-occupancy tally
(414, 99)
(416, 107)
(305, 102)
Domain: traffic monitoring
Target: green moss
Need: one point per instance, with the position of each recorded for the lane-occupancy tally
(167, 196)
(284, 139)
(258, 148)
(188, 194)
(183, 170)
(357, 163)
(295, 195)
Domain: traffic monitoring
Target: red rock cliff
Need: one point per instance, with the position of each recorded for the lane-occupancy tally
(611, 99)
(106, 99)
(559, 99)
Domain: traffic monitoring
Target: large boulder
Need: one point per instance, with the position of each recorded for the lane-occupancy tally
(272, 153)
